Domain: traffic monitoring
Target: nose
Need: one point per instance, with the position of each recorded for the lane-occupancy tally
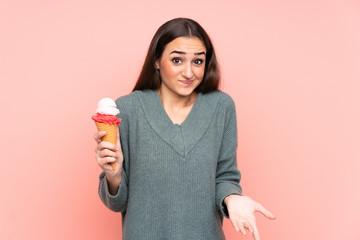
(187, 71)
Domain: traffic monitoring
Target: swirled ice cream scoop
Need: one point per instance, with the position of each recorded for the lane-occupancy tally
(107, 106)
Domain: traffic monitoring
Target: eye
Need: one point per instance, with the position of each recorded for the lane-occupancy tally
(176, 60)
(198, 61)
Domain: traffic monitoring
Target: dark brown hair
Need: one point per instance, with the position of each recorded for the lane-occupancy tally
(149, 77)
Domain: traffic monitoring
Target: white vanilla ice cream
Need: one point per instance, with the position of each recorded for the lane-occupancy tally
(107, 106)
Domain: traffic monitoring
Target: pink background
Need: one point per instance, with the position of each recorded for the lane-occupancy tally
(292, 68)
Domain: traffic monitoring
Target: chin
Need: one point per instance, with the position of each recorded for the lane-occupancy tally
(186, 92)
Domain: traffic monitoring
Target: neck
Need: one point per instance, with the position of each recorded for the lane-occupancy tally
(173, 100)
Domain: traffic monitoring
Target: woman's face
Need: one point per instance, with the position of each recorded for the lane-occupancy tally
(182, 65)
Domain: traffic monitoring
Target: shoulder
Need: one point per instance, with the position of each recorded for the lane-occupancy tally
(224, 100)
(128, 99)
(134, 97)
(130, 102)
(127, 105)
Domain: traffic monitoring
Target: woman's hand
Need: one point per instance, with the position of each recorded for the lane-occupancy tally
(242, 213)
(106, 154)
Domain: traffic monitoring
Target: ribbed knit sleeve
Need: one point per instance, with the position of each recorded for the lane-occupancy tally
(227, 174)
(118, 202)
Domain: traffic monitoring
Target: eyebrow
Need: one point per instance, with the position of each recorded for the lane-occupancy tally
(181, 52)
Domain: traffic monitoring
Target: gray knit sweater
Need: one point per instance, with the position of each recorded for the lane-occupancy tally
(175, 177)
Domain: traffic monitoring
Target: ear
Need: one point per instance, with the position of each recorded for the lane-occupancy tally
(157, 65)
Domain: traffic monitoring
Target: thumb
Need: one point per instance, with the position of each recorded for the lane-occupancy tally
(264, 211)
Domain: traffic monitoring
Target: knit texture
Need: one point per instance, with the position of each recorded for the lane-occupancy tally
(175, 177)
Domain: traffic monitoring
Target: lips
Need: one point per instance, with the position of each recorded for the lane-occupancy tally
(186, 82)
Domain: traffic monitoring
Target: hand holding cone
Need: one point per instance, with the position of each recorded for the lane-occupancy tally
(105, 120)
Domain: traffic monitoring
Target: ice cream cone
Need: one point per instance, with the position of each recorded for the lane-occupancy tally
(106, 120)
(110, 134)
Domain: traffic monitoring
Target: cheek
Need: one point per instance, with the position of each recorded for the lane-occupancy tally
(199, 72)
(167, 70)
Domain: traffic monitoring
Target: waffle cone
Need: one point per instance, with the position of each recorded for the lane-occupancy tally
(110, 134)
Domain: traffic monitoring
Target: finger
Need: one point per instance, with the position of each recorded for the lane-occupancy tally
(105, 162)
(99, 135)
(106, 145)
(107, 168)
(256, 234)
(242, 229)
(107, 153)
(234, 223)
(264, 211)
(248, 226)
(109, 160)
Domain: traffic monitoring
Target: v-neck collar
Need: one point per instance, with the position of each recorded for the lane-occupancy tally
(167, 116)
(182, 138)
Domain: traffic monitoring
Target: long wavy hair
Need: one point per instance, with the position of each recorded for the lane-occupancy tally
(149, 77)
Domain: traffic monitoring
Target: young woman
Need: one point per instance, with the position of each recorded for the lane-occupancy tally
(176, 174)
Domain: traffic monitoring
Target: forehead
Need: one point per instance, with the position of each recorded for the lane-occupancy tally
(186, 44)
